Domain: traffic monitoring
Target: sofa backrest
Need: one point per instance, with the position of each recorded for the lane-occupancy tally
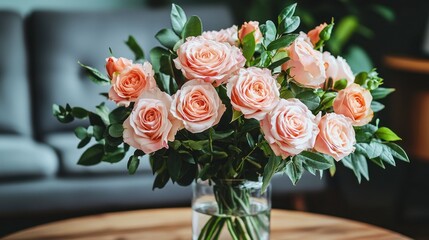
(57, 40)
(14, 92)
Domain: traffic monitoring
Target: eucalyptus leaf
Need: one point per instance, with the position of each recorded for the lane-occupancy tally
(80, 132)
(79, 112)
(397, 152)
(92, 155)
(116, 130)
(376, 106)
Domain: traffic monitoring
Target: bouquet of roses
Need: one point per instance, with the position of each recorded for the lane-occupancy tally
(241, 103)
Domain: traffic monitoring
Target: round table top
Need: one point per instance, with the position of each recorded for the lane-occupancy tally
(175, 223)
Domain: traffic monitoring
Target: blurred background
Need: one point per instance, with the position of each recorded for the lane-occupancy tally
(42, 40)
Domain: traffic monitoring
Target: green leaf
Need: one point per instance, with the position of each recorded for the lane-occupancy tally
(344, 30)
(80, 132)
(222, 135)
(193, 27)
(178, 18)
(115, 156)
(371, 150)
(397, 152)
(361, 78)
(133, 164)
(161, 180)
(278, 63)
(84, 142)
(155, 56)
(310, 99)
(384, 11)
(167, 38)
(386, 156)
(340, 84)
(195, 145)
(380, 93)
(289, 25)
(282, 42)
(250, 140)
(269, 171)
(376, 106)
(219, 154)
(174, 165)
(269, 32)
(116, 130)
(359, 161)
(294, 169)
(287, 12)
(135, 48)
(249, 45)
(92, 155)
(236, 115)
(79, 112)
(386, 134)
(314, 160)
(365, 132)
(119, 114)
(102, 111)
(350, 163)
(377, 161)
(286, 93)
(98, 132)
(97, 76)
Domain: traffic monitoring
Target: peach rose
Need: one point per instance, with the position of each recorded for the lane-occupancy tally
(116, 65)
(212, 61)
(314, 33)
(337, 68)
(228, 35)
(197, 105)
(128, 84)
(336, 137)
(354, 102)
(151, 125)
(254, 92)
(290, 128)
(306, 64)
(248, 27)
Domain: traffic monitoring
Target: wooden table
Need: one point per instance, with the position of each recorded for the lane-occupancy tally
(175, 223)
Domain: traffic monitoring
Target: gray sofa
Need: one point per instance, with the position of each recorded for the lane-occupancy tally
(38, 155)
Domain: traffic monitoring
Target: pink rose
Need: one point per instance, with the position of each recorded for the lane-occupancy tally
(228, 35)
(248, 27)
(306, 64)
(337, 68)
(212, 61)
(290, 128)
(336, 137)
(314, 33)
(150, 125)
(128, 84)
(354, 102)
(197, 105)
(116, 65)
(254, 92)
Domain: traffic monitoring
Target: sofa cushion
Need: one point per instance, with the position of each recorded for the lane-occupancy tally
(14, 92)
(57, 40)
(22, 157)
(66, 146)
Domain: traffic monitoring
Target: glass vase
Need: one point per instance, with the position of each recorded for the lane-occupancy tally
(230, 209)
